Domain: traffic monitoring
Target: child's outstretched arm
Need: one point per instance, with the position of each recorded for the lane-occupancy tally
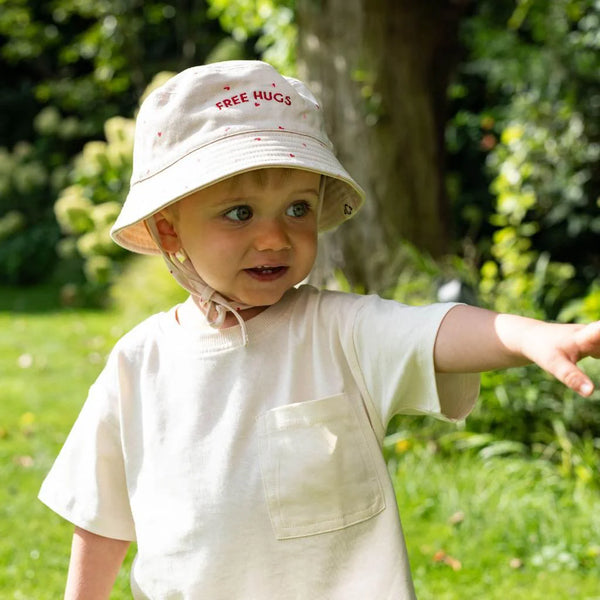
(472, 339)
(95, 563)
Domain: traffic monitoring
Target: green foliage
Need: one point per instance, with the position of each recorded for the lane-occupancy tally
(270, 22)
(584, 309)
(539, 68)
(88, 207)
(521, 410)
(527, 115)
(68, 68)
(27, 233)
(542, 163)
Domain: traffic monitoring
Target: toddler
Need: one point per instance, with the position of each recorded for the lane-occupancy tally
(237, 437)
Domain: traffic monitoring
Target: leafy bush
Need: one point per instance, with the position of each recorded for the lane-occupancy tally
(521, 410)
(28, 233)
(526, 117)
(541, 165)
(269, 22)
(88, 207)
(534, 77)
(67, 68)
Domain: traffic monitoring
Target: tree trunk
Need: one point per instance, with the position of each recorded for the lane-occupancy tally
(381, 68)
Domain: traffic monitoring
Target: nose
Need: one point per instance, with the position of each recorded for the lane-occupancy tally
(271, 234)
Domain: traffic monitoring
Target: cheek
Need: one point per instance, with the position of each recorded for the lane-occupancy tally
(201, 239)
(216, 253)
(308, 241)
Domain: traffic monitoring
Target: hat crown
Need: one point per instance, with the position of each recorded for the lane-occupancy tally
(210, 103)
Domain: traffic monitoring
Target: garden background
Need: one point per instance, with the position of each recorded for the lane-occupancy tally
(474, 126)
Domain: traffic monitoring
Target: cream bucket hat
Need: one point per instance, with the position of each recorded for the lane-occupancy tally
(211, 122)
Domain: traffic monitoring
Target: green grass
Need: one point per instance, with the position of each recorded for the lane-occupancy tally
(456, 508)
(497, 529)
(48, 358)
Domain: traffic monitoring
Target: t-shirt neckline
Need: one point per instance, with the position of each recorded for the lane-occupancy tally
(211, 339)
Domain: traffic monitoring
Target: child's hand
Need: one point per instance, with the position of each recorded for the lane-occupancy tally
(472, 339)
(557, 348)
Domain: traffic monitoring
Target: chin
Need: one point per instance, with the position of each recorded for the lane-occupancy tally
(264, 299)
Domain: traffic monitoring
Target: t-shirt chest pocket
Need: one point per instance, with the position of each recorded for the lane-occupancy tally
(318, 472)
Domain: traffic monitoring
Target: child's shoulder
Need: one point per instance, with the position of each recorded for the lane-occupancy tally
(308, 295)
(334, 299)
(145, 332)
(346, 308)
(331, 305)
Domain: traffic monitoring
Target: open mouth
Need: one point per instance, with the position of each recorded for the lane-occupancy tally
(267, 270)
(266, 273)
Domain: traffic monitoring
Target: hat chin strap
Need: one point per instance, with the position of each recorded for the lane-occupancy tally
(211, 303)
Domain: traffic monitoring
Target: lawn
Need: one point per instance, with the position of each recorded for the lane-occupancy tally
(497, 528)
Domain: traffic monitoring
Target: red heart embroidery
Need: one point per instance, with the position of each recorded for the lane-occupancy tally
(273, 85)
(280, 127)
(257, 139)
(257, 104)
(292, 155)
(159, 133)
(227, 88)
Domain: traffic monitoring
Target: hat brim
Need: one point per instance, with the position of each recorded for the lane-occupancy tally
(225, 158)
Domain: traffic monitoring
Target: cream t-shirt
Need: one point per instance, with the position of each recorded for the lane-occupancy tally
(255, 472)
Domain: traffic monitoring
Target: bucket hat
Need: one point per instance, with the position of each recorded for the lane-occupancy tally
(215, 121)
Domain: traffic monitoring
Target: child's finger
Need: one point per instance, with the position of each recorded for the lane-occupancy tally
(573, 377)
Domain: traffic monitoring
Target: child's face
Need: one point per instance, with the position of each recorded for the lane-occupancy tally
(251, 237)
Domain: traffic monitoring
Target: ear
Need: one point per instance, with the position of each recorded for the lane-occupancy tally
(169, 240)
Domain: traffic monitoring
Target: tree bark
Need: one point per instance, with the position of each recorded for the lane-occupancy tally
(381, 68)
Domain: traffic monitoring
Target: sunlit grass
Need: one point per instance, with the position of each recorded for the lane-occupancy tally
(496, 529)
(47, 362)
(502, 528)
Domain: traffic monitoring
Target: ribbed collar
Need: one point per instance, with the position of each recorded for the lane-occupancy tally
(195, 327)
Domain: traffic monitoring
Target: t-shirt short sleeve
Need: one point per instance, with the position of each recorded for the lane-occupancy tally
(393, 345)
(87, 484)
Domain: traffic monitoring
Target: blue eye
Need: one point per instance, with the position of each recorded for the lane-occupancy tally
(239, 213)
(298, 209)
